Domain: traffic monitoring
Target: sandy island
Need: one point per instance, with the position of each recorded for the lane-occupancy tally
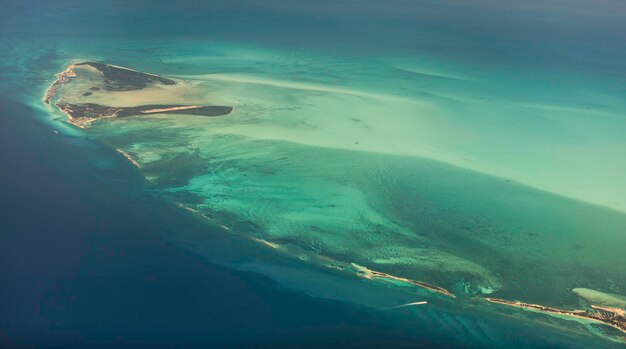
(108, 79)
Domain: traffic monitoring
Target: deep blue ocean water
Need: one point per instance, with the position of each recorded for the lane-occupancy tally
(84, 256)
(84, 263)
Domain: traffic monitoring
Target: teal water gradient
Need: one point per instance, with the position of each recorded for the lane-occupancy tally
(478, 148)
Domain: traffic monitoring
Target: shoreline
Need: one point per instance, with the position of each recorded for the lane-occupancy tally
(83, 113)
(447, 158)
(608, 316)
(614, 317)
(372, 274)
(61, 78)
(616, 321)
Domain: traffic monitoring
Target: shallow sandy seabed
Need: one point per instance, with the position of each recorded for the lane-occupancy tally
(343, 172)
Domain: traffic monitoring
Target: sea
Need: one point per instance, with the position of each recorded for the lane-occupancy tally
(377, 152)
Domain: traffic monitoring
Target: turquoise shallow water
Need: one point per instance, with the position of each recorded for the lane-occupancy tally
(484, 156)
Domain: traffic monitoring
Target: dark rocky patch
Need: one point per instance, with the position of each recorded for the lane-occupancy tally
(204, 110)
(121, 79)
(93, 111)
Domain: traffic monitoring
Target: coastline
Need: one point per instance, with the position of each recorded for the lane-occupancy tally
(133, 259)
(608, 316)
(614, 316)
(465, 162)
(61, 78)
(388, 169)
(118, 79)
(361, 271)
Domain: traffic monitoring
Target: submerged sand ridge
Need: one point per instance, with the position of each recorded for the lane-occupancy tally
(82, 82)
